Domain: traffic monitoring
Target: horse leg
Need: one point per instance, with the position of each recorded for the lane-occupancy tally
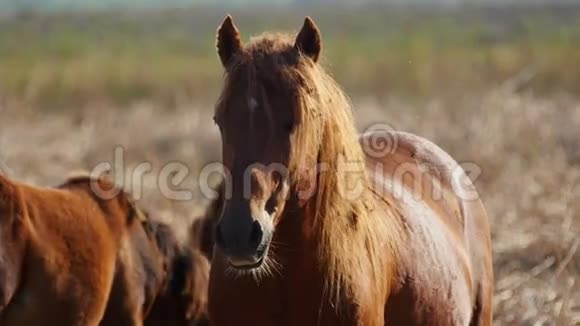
(101, 297)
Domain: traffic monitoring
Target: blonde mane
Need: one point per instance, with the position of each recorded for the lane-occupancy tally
(352, 237)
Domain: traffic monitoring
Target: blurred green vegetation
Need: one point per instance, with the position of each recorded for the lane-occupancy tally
(71, 59)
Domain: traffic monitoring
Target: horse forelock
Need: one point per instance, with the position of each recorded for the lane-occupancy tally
(350, 233)
(261, 57)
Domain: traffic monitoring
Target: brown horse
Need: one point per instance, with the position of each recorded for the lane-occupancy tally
(323, 227)
(58, 248)
(182, 300)
(157, 281)
(140, 274)
(203, 228)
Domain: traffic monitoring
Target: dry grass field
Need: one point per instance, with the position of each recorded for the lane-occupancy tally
(528, 149)
(526, 143)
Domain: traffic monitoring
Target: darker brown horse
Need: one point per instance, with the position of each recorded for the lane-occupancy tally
(203, 228)
(58, 248)
(182, 300)
(140, 273)
(323, 227)
(157, 280)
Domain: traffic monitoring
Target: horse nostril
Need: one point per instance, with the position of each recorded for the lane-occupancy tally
(256, 235)
(219, 238)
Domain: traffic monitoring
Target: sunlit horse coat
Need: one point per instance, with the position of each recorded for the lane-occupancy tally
(58, 248)
(411, 246)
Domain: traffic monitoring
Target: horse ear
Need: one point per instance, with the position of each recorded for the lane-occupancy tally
(228, 40)
(309, 40)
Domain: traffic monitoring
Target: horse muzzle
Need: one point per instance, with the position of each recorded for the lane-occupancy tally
(244, 244)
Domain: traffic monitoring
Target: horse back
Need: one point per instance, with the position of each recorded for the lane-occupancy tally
(114, 205)
(69, 258)
(445, 273)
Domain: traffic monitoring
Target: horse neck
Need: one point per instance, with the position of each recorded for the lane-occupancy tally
(299, 256)
(330, 223)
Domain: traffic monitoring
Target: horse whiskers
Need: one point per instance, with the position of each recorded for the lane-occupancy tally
(273, 265)
(270, 268)
(280, 245)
